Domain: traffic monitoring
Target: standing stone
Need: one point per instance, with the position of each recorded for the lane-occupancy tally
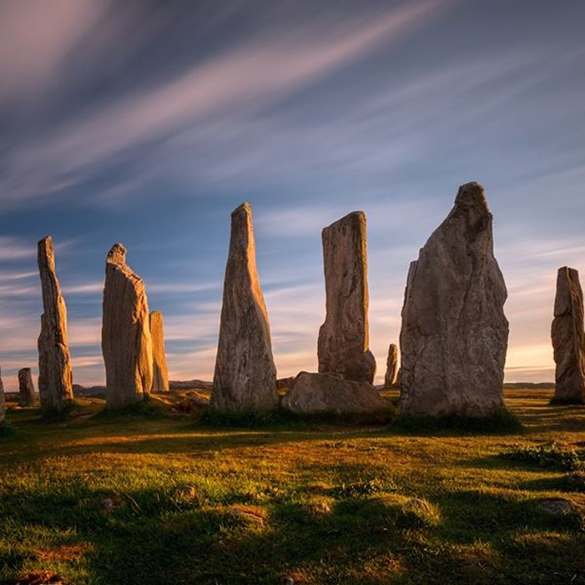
(26, 388)
(160, 374)
(454, 332)
(344, 336)
(2, 401)
(245, 374)
(391, 367)
(55, 375)
(126, 340)
(568, 338)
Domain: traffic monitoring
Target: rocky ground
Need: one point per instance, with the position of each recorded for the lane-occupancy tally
(161, 494)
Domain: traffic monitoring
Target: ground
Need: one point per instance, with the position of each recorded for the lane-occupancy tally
(154, 499)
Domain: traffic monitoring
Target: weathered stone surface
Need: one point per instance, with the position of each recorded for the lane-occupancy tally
(330, 393)
(454, 332)
(26, 388)
(391, 376)
(55, 375)
(160, 373)
(343, 346)
(126, 341)
(2, 401)
(245, 374)
(568, 338)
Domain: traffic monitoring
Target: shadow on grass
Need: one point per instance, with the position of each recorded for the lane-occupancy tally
(152, 537)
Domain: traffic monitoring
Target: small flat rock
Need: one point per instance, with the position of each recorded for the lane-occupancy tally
(329, 393)
(557, 505)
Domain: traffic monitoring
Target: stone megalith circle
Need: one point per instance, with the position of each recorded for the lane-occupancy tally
(55, 374)
(160, 373)
(343, 345)
(26, 388)
(568, 338)
(454, 333)
(391, 377)
(245, 374)
(126, 340)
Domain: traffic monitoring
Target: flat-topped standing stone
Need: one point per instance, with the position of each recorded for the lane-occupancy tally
(454, 332)
(391, 367)
(2, 401)
(568, 338)
(344, 337)
(55, 375)
(245, 374)
(126, 341)
(26, 388)
(160, 374)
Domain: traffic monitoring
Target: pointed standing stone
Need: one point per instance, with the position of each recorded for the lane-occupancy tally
(568, 338)
(2, 401)
(126, 341)
(245, 374)
(454, 332)
(391, 367)
(55, 375)
(26, 388)
(160, 374)
(343, 346)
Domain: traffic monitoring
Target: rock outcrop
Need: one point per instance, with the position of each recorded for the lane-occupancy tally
(454, 332)
(245, 374)
(26, 388)
(2, 401)
(126, 341)
(568, 338)
(160, 373)
(330, 393)
(55, 375)
(391, 376)
(343, 346)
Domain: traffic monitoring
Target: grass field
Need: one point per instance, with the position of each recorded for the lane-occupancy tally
(164, 499)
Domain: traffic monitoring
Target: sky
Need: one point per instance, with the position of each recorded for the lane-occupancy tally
(147, 122)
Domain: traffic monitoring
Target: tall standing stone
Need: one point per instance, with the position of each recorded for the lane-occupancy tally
(26, 388)
(568, 338)
(454, 332)
(55, 375)
(343, 346)
(245, 374)
(391, 367)
(126, 340)
(160, 374)
(2, 401)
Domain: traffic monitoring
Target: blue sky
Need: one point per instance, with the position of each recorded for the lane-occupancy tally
(148, 122)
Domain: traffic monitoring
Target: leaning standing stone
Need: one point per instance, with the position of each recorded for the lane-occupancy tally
(160, 374)
(568, 338)
(454, 332)
(126, 341)
(245, 374)
(55, 375)
(343, 346)
(391, 367)
(26, 388)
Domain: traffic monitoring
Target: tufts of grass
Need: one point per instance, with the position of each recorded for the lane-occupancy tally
(146, 408)
(549, 456)
(7, 430)
(502, 422)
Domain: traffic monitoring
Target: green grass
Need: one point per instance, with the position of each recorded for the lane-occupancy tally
(150, 496)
